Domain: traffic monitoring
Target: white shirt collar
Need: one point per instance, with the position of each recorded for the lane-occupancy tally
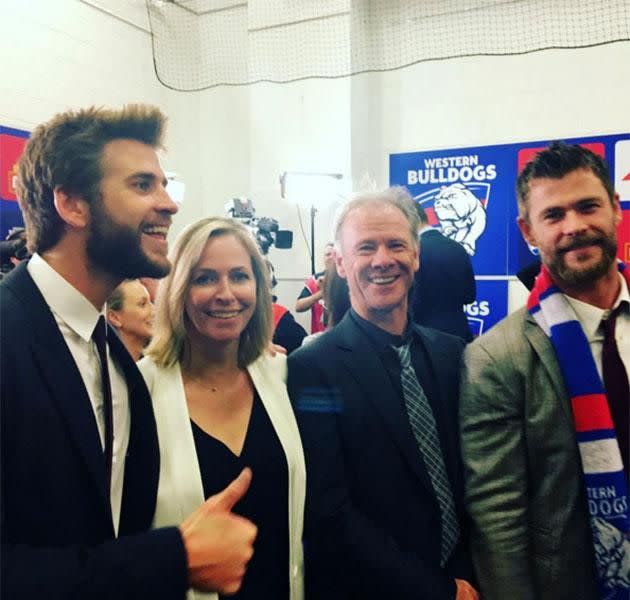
(63, 298)
(590, 316)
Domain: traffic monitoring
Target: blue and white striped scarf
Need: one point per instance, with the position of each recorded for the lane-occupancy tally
(604, 477)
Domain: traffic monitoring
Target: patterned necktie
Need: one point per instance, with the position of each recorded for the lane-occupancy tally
(100, 339)
(616, 384)
(425, 431)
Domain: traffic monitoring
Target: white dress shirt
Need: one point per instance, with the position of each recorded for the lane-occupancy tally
(76, 318)
(591, 317)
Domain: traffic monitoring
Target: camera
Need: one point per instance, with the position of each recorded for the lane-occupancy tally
(266, 230)
(12, 249)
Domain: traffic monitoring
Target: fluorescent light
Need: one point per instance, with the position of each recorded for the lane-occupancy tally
(311, 189)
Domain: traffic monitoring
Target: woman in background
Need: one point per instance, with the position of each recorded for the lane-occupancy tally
(336, 296)
(221, 403)
(336, 301)
(131, 312)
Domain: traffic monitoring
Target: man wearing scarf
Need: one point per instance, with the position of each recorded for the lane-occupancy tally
(545, 401)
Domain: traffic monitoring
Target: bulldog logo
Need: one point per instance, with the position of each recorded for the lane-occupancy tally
(461, 214)
(612, 548)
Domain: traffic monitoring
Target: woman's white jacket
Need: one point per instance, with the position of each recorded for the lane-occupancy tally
(180, 489)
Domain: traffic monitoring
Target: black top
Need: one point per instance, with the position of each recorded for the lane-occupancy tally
(265, 504)
(288, 333)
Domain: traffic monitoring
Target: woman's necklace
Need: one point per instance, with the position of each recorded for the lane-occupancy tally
(214, 388)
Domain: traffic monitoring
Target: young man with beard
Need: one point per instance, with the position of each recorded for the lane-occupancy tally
(79, 453)
(376, 402)
(545, 401)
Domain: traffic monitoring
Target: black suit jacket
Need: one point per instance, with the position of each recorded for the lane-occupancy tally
(57, 532)
(372, 526)
(444, 282)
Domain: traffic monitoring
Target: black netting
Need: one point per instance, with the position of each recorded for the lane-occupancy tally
(199, 44)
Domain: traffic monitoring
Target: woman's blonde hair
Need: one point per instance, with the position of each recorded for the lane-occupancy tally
(169, 338)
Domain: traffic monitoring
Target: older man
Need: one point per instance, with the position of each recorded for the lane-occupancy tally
(80, 458)
(376, 399)
(544, 413)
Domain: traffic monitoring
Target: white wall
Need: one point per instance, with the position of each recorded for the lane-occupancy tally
(60, 54)
(228, 142)
(304, 127)
(454, 103)
(490, 100)
(493, 100)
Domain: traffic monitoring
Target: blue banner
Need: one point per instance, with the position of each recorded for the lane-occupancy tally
(490, 306)
(12, 142)
(469, 193)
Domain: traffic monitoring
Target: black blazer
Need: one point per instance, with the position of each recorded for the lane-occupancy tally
(372, 527)
(57, 532)
(444, 282)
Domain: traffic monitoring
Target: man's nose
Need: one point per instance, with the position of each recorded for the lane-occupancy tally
(574, 223)
(382, 257)
(165, 203)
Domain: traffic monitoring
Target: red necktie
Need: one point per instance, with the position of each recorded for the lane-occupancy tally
(100, 339)
(616, 384)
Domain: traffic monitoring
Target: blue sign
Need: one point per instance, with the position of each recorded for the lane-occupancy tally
(469, 193)
(12, 142)
(490, 306)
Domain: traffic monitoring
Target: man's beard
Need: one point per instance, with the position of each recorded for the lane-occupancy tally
(579, 278)
(116, 249)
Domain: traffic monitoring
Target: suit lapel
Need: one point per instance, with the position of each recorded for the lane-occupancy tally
(142, 462)
(66, 389)
(370, 374)
(62, 378)
(543, 347)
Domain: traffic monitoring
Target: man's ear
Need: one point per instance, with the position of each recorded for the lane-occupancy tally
(341, 271)
(72, 208)
(617, 210)
(526, 231)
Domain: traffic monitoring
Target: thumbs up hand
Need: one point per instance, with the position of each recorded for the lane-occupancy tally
(219, 543)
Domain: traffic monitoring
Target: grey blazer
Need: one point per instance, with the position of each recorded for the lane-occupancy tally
(531, 536)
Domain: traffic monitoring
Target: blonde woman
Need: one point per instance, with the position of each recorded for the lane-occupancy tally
(131, 312)
(220, 400)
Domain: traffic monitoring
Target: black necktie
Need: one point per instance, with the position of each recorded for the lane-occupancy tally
(616, 385)
(425, 431)
(100, 339)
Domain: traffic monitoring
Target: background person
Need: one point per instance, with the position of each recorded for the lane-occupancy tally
(131, 312)
(336, 300)
(444, 283)
(13, 250)
(311, 297)
(287, 332)
(220, 400)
